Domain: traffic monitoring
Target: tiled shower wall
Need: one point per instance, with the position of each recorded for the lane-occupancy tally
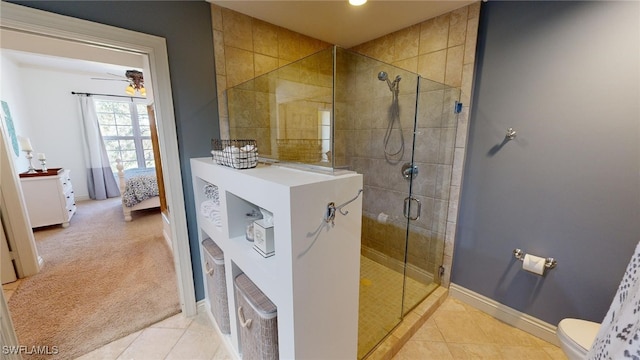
(246, 47)
(363, 116)
(364, 111)
(260, 109)
(441, 49)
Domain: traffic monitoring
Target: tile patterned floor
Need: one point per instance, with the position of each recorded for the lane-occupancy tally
(381, 302)
(459, 331)
(176, 338)
(454, 331)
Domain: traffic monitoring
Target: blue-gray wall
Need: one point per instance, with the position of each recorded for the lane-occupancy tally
(186, 26)
(566, 77)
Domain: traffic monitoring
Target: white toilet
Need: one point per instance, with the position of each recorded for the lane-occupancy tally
(576, 337)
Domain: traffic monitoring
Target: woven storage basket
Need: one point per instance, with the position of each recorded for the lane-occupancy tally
(257, 316)
(238, 154)
(216, 284)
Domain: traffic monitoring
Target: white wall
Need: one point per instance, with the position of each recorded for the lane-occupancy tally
(11, 88)
(51, 116)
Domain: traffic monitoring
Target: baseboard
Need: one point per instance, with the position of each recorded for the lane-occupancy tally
(412, 271)
(202, 307)
(381, 258)
(166, 231)
(517, 319)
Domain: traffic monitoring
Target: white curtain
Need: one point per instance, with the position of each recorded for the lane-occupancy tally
(100, 180)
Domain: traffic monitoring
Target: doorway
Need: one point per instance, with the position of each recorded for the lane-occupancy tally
(22, 19)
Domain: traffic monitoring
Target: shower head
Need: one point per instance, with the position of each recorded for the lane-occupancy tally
(393, 86)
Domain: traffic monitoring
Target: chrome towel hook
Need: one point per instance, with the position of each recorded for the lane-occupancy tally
(330, 214)
(349, 202)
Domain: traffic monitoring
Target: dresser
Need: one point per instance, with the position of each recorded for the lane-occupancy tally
(49, 197)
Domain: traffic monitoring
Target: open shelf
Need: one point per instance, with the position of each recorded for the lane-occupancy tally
(207, 197)
(313, 280)
(262, 271)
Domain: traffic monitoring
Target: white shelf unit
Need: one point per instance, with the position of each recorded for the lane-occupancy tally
(313, 277)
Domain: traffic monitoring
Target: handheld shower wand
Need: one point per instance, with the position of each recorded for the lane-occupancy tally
(393, 85)
(394, 113)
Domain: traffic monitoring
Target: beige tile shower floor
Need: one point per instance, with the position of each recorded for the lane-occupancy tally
(381, 302)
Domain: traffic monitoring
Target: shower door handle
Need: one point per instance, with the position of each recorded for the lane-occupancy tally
(407, 208)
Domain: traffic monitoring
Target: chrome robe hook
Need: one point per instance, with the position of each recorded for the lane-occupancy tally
(330, 214)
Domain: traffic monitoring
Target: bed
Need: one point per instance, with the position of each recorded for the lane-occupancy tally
(138, 188)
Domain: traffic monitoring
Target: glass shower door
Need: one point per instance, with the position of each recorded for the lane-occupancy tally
(375, 110)
(398, 131)
(374, 113)
(428, 205)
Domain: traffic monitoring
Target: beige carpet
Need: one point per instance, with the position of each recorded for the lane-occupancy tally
(102, 279)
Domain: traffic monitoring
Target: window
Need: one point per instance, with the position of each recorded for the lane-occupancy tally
(125, 130)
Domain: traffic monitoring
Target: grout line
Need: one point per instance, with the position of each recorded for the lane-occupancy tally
(125, 349)
(184, 331)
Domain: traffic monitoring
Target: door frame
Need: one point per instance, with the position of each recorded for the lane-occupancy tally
(8, 337)
(24, 19)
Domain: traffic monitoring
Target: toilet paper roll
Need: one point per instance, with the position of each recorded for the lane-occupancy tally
(534, 264)
(383, 218)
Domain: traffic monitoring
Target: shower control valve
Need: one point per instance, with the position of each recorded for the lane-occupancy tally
(409, 171)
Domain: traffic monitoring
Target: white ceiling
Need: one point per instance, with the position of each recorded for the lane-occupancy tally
(61, 55)
(66, 64)
(333, 21)
(337, 22)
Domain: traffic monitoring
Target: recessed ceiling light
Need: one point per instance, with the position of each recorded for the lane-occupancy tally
(357, 2)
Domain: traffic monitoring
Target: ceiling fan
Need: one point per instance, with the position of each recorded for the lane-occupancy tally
(135, 80)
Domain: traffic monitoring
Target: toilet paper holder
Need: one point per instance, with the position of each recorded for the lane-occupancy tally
(549, 263)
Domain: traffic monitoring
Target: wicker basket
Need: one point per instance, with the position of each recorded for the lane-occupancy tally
(238, 154)
(217, 284)
(257, 317)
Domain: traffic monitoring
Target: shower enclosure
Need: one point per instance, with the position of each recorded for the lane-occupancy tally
(338, 110)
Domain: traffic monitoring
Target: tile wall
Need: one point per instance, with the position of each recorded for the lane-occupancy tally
(365, 111)
(246, 47)
(441, 49)
(280, 109)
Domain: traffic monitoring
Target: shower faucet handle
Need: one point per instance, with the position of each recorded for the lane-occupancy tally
(409, 171)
